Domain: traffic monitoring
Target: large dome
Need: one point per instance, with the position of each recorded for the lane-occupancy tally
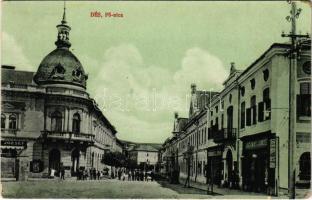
(61, 66)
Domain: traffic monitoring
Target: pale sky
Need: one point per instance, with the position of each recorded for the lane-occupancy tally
(141, 66)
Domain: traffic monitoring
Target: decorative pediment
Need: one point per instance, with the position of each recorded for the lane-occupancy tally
(13, 106)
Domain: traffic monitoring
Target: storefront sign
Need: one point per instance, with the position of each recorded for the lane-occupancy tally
(214, 153)
(256, 144)
(272, 153)
(13, 143)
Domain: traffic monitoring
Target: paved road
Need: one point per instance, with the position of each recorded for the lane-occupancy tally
(108, 189)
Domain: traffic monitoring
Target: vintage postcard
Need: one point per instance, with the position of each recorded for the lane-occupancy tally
(156, 99)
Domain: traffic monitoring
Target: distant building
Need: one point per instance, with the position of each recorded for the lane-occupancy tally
(48, 120)
(143, 154)
(240, 134)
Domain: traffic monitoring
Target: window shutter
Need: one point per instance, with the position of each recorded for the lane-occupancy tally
(248, 117)
(299, 105)
(31, 166)
(260, 113)
(254, 114)
(268, 108)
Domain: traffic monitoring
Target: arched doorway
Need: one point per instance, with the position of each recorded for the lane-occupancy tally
(305, 166)
(55, 160)
(229, 167)
(75, 161)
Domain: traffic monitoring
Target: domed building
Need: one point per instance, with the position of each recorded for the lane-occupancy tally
(48, 120)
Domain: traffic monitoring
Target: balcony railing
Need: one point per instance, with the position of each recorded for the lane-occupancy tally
(69, 136)
(225, 134)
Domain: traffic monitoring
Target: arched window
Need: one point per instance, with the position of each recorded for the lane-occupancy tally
(76, 123)
(12, 121)
(3, 121)
(305, 166)
(56, 121)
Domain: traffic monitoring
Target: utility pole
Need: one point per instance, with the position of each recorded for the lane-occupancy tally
(293, 55)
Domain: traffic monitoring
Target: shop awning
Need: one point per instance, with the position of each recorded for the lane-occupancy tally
(13, 147)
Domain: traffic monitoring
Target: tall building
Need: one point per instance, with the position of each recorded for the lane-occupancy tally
(241, 139)
(48, 119)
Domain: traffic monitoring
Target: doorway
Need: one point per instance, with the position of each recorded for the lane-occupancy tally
(75, 161)
(54, 160)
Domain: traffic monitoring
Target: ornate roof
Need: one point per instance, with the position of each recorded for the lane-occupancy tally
(61, 66)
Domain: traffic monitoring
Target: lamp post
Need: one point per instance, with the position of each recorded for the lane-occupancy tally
(293, 56)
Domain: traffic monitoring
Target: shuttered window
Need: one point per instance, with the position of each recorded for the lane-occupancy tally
(304, 100)
(248, 117)
(242, 115)
(260, 111)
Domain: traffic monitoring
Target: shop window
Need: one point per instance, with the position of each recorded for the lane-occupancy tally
(253, 107)
(13, 121)
(56, 121)
(76, 123)
(3, 118)
(242, 115)
(304, 100)
(305, 166)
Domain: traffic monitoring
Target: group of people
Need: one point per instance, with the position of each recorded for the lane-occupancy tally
(91, 174)
(134, 175)
(123, 174)
(81, 174)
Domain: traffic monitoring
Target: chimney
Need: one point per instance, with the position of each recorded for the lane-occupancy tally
(176, 115)
(233, 69)
(193, 87)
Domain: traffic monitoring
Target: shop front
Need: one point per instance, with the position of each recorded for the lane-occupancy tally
(259, 163)
(10, 160)
(214, 165)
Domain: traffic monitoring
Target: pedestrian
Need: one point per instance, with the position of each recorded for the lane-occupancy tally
(98, 175)
(62, 173)
(90, 173)
(152, 175)
(129, 176)
(94, 173)
(119, 174)
(145, 176)
(52, 173)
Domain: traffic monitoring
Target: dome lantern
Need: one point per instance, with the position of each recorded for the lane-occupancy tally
(61, 67)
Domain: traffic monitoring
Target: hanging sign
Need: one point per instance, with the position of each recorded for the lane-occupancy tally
(273, 153)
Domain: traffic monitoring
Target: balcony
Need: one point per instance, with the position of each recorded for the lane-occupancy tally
(225, 134)
(84, 137)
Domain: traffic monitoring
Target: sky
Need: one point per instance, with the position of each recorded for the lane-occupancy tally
(141, 65)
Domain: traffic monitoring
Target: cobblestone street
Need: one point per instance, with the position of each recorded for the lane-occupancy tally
(71, 188)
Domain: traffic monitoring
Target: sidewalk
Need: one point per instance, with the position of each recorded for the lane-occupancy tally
(235, 193)
(222, 191)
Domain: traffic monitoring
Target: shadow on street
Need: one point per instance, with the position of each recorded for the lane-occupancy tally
(183, 190)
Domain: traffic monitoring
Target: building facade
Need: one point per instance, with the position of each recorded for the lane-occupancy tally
(239, 138)
(48, 119)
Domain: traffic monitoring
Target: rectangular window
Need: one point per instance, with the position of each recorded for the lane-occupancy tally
(267, 103)
(253, 106)
(242, 115)
(304, 100)
(222, 121)
(248, 116)
(260, 111)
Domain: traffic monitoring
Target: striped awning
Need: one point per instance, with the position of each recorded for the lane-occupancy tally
(12, 147)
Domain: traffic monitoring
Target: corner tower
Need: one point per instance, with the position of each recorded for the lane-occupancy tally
(61, 68)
